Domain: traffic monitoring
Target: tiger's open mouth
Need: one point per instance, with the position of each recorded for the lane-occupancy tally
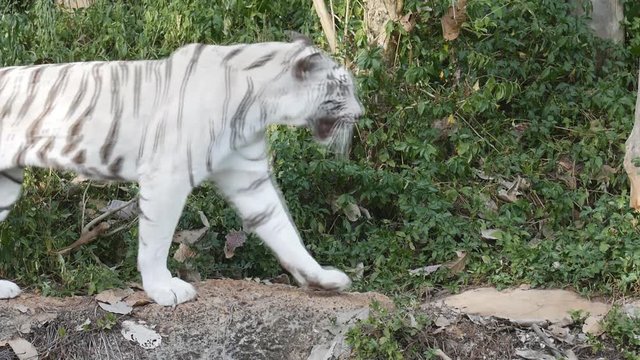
(324, 127)
(335, 132)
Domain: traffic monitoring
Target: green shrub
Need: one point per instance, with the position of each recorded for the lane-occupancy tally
(525, 91)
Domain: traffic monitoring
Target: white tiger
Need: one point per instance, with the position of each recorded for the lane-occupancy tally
(170, 124)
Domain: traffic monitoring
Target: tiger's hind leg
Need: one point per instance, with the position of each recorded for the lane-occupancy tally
(10, 184)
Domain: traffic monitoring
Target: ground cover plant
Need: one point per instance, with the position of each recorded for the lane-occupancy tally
(500, 151)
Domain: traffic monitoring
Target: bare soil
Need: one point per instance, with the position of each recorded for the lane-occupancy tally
(246, 320)
(229, 320)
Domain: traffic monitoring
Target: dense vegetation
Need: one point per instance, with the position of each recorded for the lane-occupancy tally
(526, 95)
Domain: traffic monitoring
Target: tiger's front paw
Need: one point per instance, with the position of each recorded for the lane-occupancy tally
(329, 279)
(8, 289)
(174, 292)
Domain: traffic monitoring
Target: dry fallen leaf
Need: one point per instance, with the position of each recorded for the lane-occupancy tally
(533, 355)
(352, 211)
(365, 213)
(119, 307)
(144, 336)
(481, 174)
(458, 264)
(408, 21)
(189, 274)
(454, 18)
(128, 212)
(281, 279)
(561, 333)
(84, 326)
(510, 194)
(75, 4)
(183, 253)
(492, 234)
(204, 219)
(36, 320)
(425, 270)
(356, 272)
(22, 308)
(23, 349)
(234, 239)
(138, 298)
(113, 296)
(189, 237)
(442, 321)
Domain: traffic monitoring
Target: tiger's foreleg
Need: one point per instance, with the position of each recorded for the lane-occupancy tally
(10, 184)
(162, 197)
(260, 204)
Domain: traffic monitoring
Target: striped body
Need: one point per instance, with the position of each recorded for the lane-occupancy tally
(106, 119)
(200, 114)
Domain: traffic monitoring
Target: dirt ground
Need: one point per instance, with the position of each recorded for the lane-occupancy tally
(247, 320)
(475, 338)
(229, 320)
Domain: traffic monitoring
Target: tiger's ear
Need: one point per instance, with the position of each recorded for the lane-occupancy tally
(296, 36)
(305, 66)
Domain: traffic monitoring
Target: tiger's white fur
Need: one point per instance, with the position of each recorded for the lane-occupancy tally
(198, 115)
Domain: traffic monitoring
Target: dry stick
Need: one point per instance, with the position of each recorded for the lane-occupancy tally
(326, 22)
(85, 238)
(346, 21)
(88, 235)
(84, 204)
(439, 353)
(123, 227)
(547, 341)
(632, 151)
(108, 214)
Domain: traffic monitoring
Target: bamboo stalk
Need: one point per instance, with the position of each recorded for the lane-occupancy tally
(632, 156)
(327, 24)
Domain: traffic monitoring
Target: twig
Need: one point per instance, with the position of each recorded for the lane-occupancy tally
(107, 214)
(91, 231)
(85, 238)
(84, 204)
(439, 353)
(547, 341)
(123, 227)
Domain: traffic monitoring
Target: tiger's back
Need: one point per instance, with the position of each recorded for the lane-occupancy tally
(103, 119)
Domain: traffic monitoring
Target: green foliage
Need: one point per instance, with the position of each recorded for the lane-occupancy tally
(625, 331)
(389, 334)
(526, 91)
(106, 322)
(632, 25)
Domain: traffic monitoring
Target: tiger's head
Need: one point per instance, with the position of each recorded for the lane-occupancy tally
(328, 93)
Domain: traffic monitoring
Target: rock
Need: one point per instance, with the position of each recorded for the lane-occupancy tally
(632, 309)
(529, 306)
(230, 319)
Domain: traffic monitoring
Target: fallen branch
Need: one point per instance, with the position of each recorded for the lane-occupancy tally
(95, 228)
(107, 214)
(85, 238)
(557, 353)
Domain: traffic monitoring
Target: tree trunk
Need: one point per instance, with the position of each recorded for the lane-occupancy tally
(606, 18)
(632, 156)
(377, 14)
